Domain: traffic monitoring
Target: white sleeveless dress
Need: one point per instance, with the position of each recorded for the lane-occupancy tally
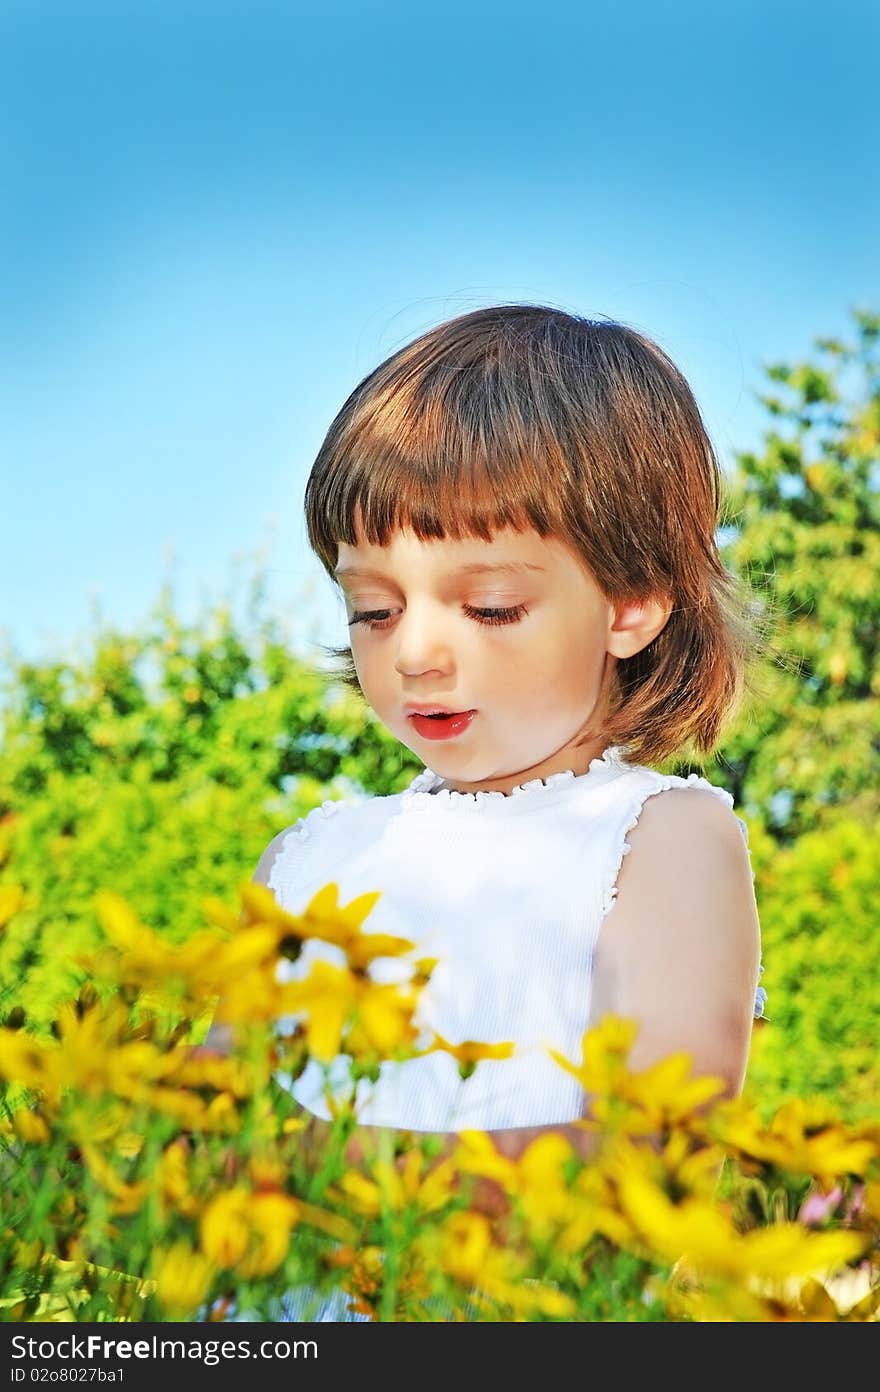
(509, 893)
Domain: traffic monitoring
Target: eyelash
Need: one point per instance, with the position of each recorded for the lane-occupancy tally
(483, 616)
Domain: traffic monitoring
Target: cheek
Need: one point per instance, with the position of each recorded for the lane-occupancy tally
(573, 664)
(375, 675)
(362, 662)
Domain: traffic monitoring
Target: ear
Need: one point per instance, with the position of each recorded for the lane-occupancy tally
(635, 623)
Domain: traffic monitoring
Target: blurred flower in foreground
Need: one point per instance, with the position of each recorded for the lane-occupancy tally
(327, 919)
(347, 1011)
(801, 1137)
(247, 1231)
(469, 1052)
(701, 1234)
(392, 1187)
(463, 1247)
(182, 1278)
(649, 1101)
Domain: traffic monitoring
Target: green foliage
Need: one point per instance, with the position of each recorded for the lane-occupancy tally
(805, 518)
(821, 941)
(803, 761)
(161, 764)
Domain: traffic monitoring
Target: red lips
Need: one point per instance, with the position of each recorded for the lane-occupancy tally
(433, 729)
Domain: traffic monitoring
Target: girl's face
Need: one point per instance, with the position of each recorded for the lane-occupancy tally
(533, 678)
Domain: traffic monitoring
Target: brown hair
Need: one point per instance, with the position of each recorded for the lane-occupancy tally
(525, 416)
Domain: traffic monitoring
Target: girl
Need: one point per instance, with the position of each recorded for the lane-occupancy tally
(520, 510)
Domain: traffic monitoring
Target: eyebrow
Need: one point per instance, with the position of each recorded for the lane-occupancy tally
(475, 568)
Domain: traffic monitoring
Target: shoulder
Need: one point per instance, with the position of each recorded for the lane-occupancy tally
(354, 815)
(671, 810)
(688, 851)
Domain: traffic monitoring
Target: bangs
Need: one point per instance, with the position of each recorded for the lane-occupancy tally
(437, 496)
(457, 440)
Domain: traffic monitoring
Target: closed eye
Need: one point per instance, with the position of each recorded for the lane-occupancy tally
(379, 618)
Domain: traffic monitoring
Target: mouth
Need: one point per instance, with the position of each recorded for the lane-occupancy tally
(440, 724)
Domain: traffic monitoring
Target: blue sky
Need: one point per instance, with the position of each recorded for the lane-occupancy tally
(217, 218)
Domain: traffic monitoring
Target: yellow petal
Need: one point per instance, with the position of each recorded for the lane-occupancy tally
(785, 1249)
(11, 900)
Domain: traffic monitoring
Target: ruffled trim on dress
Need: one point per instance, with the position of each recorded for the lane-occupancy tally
(301, 831)
(419, 794)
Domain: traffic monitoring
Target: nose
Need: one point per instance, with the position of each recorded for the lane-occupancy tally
(422, 642)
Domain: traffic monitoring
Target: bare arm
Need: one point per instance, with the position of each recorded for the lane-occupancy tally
(679, 950)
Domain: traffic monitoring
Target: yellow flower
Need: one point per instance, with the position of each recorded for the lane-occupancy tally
(476, 1153)
(361, 1193)
(468, 1255)
(661, 1096)
(326, 919)
(605, 1049)
(467, 1239)
(362, 949)
(259, 905)
(183, 1278)
(397, 1188)
(24, 1059)
(784, 1249)
(383, 1021)
(667, 1092)
(692, 1166)
(127, 1198)
(424, 967)
(802, 1137)
(250, 1232)
(469, 1052)
(30, 1126)
(700, 1232)
(233, 1075)
(271, 1218)
(548, 1204)
(173, 1180)
(218, 1115)
(266, 1172)
(328, 995)
(240, 967)
(251, 996)
(541, 1296)
(363, 1281)
(378, 1018)
(549, 1207)
(223, 1229)
(93, 1057)
(203, 964)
